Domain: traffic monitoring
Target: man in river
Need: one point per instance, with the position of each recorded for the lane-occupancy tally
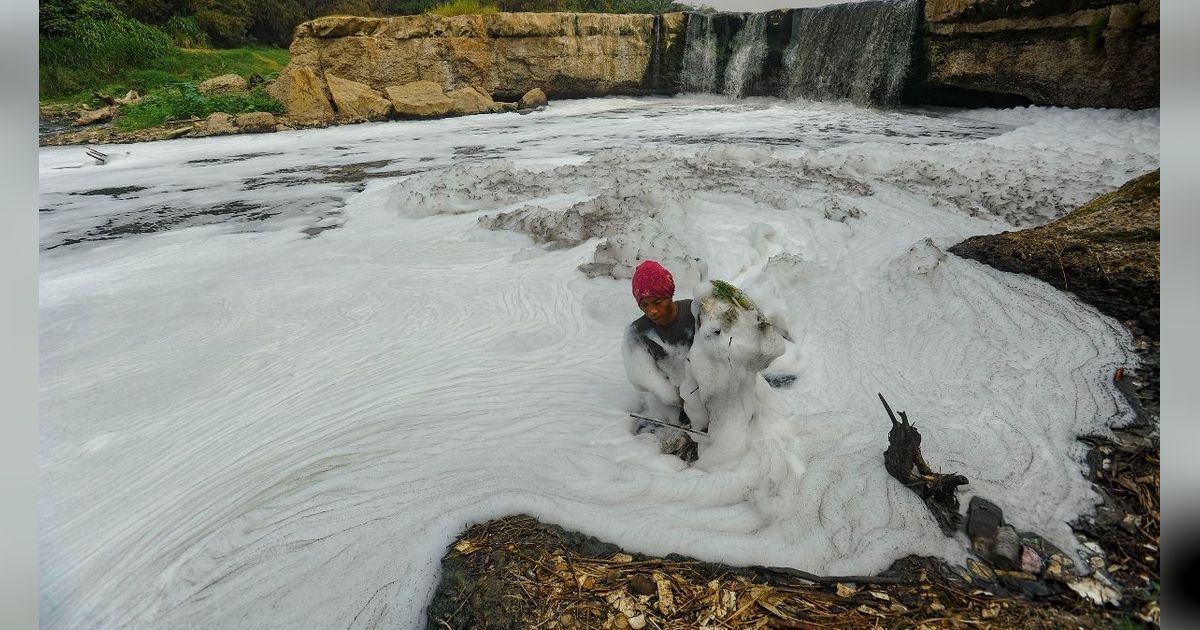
(655, 350)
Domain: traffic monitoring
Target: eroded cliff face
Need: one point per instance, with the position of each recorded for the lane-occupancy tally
(503, 54)
(1077, 53)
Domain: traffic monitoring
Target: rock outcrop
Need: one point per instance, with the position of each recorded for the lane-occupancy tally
(303, 94)
(501, 55)
(1106, 252)
(1077, 53)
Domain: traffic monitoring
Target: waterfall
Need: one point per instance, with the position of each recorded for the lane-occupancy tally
(749, 51)
(654, 68)
(857, 51)
(699, 71)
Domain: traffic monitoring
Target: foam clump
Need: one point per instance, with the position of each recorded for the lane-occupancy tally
(722, 386)
(466, 188)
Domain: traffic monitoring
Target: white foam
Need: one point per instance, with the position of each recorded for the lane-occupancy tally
(242, 426)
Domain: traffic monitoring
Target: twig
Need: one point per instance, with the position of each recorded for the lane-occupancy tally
(827, 580)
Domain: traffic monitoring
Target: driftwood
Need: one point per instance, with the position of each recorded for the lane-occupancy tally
(129, 97)
(904, 461)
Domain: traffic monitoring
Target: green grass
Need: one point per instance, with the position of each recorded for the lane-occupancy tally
(462, 7)
(184, 100)
(75, 84)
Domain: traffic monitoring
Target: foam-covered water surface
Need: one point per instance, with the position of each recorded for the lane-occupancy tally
(279, 373)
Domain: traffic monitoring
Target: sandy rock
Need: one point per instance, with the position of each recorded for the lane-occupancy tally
(217, 124)
(303, 94)
(224, 84)
(532, 99)
(470, 100)
(256, 122)
(501, 54)
(92, 116)
(420, 99)
(356, 101)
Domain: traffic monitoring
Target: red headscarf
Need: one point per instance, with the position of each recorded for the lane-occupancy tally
(651, 279)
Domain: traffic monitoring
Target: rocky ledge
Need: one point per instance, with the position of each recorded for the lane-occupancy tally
(1077, 53)
(353, 68)
(1105, 252)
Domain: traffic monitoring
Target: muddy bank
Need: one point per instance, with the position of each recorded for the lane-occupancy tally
(517, 572)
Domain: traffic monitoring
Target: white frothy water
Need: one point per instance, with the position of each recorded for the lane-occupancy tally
(279, 414)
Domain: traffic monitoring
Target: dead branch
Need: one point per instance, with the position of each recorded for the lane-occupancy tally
(904, 461)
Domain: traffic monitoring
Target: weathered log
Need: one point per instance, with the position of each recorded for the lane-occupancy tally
(904, 461)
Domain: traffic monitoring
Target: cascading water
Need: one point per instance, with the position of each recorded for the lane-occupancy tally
(699, 71)
(749, 52)
(856, 51)
(654, 68)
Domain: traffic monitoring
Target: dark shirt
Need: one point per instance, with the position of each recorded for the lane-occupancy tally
(678, 333)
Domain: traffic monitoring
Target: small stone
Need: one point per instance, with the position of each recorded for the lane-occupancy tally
(1006, 553)
(1031, 561)
(637, 622)
(641, 584)
(983, 519)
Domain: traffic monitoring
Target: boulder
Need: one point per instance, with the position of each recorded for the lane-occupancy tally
(303, 94)
(356, 101)
(419, 99)
(256, 122)
(532, 99)
(471, 100)
(224, 84)
(217, 124)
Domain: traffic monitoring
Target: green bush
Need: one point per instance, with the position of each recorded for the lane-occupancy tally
(463, 7)
(185, 100)
(73, 52)
(185, 32)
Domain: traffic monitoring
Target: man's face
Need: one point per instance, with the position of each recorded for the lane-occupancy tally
(660, 310)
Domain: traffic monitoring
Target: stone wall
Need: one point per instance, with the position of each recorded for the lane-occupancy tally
(1076, 53)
